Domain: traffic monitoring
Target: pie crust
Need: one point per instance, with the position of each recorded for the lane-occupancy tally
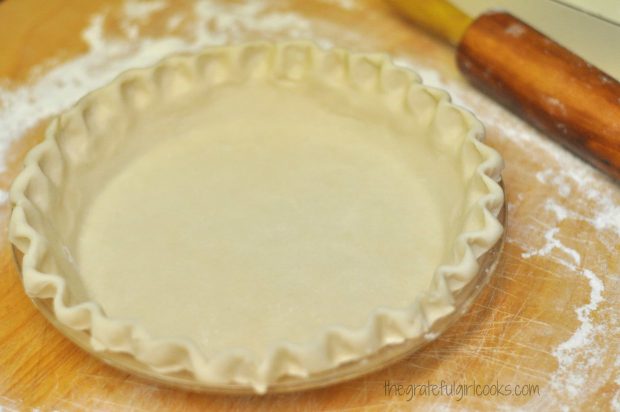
(257, 212)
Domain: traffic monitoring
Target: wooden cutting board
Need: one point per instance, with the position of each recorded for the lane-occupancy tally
(548, 318)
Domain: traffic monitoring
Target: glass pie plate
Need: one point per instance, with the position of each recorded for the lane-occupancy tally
(348, 371)
(243, 186)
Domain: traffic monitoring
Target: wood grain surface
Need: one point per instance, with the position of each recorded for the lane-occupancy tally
(547, 318)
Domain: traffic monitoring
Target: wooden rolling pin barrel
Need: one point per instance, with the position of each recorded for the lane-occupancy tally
(552, 88)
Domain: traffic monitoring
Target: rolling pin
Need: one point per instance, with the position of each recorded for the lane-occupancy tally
(552, 88)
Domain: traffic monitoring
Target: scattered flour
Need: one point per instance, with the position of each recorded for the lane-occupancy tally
(581, 340)
(431, 336)
(515, 30)
(23, 107)
(591, 202)
(553, 243)
(142, 10)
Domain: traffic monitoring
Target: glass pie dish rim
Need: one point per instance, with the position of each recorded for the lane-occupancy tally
(347, 371)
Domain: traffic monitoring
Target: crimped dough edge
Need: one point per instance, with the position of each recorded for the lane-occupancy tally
(33, 194)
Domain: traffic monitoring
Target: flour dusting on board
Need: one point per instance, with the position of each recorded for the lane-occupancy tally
(587, 346)
(142, 10)
(213, 23)
(24, 107)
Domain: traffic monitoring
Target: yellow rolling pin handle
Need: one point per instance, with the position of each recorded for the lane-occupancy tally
(438, 16)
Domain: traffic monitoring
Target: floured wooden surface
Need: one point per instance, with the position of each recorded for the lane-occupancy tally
(548, 317)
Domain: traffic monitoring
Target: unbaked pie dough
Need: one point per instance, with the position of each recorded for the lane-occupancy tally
(257, 211)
